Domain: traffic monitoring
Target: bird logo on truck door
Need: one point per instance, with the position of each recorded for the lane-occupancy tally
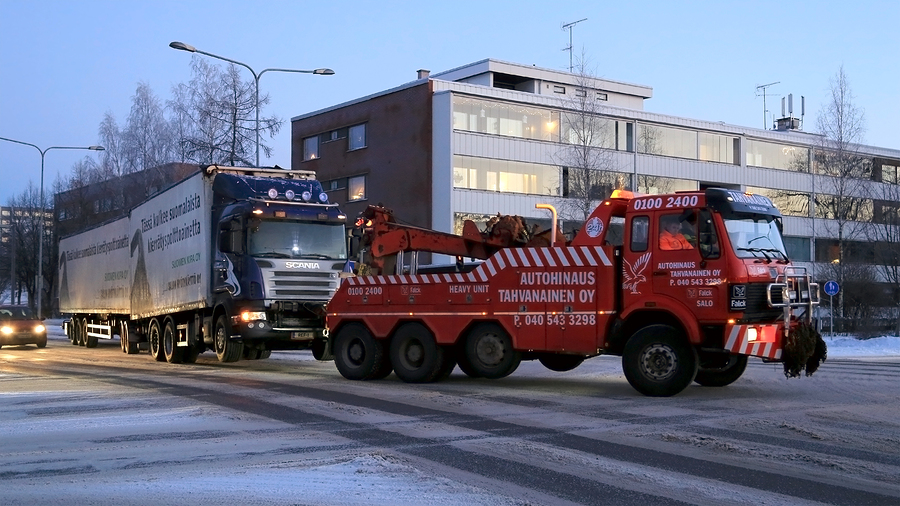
(633, 275)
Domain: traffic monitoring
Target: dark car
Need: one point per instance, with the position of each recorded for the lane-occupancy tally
(18, 325)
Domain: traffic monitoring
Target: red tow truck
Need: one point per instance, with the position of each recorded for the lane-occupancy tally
(675, 316)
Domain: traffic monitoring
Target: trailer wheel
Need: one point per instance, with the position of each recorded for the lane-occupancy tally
(721, 371)
(89, 340)
(658, 361)
(173, 354)
(128, 347)
(82, 331)
(72, 332)
(489, 352)
(76, 331)
(358, 355)
(227, 350)
(155, 338)
(264, 354)
(415, 355)
(561, 363)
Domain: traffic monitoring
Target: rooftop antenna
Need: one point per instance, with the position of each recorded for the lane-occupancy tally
(763, 95)
(569, 26)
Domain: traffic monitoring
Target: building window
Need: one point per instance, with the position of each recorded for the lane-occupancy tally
(777, 156)
(559, 89)
(311, 148)
(789, 202)
(580, 93)
(603, 97)
(505, 176)
(356, 188)
(357, 137)
(889, 174)
(797, 248)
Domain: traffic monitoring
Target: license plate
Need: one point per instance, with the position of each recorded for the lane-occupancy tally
(303, 336)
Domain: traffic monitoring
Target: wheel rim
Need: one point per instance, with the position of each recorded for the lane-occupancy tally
(659, 362)
(168, 341)
(413, 354)
(154, 340)
(356, 352)
(220, 339)
(489, 349)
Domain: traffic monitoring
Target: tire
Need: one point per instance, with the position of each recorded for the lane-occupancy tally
(448, 366)
(72, 331)
(42, 343)
(190, 354)
(128, 347)
(227, 350)
(154, 336)
(89, 341)
(464, 364)
(415, 355)
(264, 354)
(321, 350)
(489, 352)
(82, 331)
(721, 371)
(561, 363)
(358, 355)
(173, 354)
(658, 361)
(251, 353)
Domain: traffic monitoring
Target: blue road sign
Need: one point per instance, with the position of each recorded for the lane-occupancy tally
(832, 288)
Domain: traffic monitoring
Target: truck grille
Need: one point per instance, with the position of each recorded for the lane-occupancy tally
(300, 284)
(758, 306)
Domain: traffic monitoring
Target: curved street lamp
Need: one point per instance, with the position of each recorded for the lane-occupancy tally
(181, 46)
(40, 259)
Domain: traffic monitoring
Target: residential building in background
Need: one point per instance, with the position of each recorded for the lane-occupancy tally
(492, 137)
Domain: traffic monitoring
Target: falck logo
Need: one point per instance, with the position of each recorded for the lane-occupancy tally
(633, 275)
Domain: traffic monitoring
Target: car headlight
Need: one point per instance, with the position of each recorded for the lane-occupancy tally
(7, 330)
(253, 315)
(39, 329)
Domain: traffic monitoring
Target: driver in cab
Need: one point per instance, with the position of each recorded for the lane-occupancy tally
(671, 238)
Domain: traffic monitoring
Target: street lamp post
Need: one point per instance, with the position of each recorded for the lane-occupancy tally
(191, 49)
(40, 259)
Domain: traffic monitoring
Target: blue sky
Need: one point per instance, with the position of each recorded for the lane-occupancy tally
(64, 64)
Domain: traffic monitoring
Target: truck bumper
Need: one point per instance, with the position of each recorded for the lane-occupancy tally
(754, 340)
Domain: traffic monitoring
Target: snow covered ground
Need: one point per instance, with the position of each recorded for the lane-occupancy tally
(850, 346)
(340, 479)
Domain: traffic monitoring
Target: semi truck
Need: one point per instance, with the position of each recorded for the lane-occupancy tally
(674, 316)
(240, 261)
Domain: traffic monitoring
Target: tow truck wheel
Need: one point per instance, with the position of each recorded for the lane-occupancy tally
(561, 363)
(721, 371)
(658, 361)
(173, 354)
(358, 355)
(489, 352)
(321, 350)
(227, 350)
(154, 336)
(414, 354)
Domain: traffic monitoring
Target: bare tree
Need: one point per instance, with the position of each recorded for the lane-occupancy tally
(24, 233)
(146, 140)
(586, 159)
(215, 116)
(842, 172)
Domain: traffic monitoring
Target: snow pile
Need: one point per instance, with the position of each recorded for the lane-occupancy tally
(850, 346)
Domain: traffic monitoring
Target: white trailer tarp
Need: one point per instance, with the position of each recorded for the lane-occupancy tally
(171, 262)
(94, 270)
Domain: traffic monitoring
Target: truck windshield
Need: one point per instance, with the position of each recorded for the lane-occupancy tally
(755, 236)
(298, 239)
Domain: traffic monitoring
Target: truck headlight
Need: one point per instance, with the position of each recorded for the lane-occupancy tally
(253, 315)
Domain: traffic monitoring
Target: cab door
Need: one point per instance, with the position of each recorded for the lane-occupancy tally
(688, 265)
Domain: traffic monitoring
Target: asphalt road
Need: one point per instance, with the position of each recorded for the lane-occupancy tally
(98, 426)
